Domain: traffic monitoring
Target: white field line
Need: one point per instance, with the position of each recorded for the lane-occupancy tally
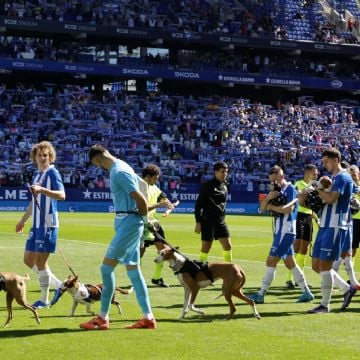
(192, 255)
(11, 247)
(89, 242)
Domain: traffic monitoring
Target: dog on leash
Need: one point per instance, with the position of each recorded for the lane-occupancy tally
(87, 294)
(196, 275)
(15, 288)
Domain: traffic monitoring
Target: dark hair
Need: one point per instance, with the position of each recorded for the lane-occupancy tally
(150, 170)
(220, 165)
(275, 169)
(332, 153)
(345, 165)
(96, 150)
(310, 167)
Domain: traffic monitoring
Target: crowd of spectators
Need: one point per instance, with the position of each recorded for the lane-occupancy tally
(247, 18)
(185, 15)
(183, 134)
(327, 32)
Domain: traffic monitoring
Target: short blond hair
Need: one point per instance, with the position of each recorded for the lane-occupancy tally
(40, 146)
(354, 169)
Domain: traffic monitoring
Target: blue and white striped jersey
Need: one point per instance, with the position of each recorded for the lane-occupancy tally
(286, 223)
(336, 215)
(47, 216)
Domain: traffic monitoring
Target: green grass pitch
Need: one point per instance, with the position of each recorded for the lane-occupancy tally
(285, 331)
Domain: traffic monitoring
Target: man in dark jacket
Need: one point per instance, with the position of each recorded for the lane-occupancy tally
(210, 213)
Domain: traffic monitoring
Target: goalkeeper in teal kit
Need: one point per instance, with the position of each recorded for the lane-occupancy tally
(131, 214)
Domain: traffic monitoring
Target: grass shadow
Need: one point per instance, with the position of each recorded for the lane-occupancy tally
(160, 287)
(8, 333)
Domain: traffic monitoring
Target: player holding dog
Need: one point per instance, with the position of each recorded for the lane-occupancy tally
(304, 224)
(210, 213)
(131, 215)
(156, 199)
(332, 231)
(284, 235)
(47, 188)
(346, 250)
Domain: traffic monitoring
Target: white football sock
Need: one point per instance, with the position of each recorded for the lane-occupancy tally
(299, 278)
(267, 280)
(337, 263)
(44, 281)
(340, 282)
(148, 316)
(326, 287)
(349, 267)
(54, 280)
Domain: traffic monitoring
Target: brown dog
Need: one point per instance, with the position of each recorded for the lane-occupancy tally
(196, 275)
(323, 183)
(87, 294)
(15, 288)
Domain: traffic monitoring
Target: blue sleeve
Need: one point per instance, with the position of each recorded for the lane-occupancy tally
(339, 184)
(56, 181)
(34, 176)
(291, 193)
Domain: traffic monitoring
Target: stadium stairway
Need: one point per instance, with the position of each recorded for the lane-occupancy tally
(301, 28)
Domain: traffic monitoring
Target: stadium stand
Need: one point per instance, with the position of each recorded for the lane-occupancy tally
(171, 123)
(285, 19)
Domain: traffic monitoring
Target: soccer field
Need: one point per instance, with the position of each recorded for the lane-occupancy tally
(285, 331)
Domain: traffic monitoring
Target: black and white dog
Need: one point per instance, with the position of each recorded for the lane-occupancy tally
(87, 294)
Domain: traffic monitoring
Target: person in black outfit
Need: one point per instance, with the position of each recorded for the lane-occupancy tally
(210, 213)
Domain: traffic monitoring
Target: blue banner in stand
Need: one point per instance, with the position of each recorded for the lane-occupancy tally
(157, 71)
(107, 207)
(186, 194)
(97, 200)
(231, 208)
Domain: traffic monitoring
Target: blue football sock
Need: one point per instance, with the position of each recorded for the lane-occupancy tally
(141, 290)
(108, 279)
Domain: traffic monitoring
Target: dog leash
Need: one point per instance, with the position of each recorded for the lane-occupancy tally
(162, 239)
(58, 247)
(65, 261)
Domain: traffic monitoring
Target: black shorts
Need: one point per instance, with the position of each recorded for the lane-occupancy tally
(356, 234)
(160, 231)
(304, 226)
(211, 230)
